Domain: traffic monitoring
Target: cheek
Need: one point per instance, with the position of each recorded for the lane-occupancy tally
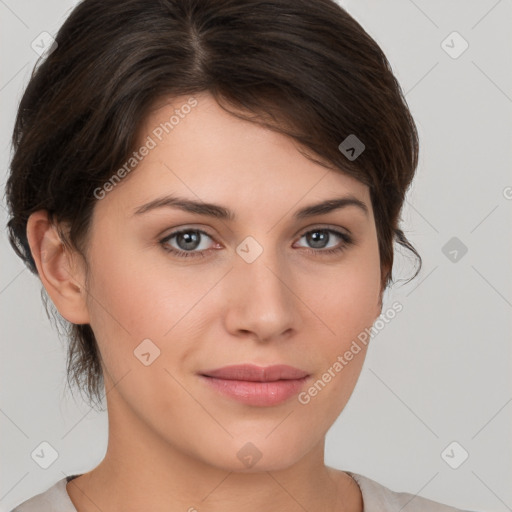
(134, 297)
(346, 298)
(132, 294)
(348, 307)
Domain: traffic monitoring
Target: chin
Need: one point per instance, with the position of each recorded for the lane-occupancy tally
(260, 454)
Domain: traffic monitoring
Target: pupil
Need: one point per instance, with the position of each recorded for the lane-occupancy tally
(315, 238)
(190, 238)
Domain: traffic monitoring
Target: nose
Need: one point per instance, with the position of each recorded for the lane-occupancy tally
(259, 299)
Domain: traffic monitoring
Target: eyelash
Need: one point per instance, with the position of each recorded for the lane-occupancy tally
(347, 241)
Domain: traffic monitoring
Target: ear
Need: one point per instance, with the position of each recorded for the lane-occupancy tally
(60, 270)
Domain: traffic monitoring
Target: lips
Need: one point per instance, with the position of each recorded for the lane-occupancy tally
(253, 373)
(256, 385)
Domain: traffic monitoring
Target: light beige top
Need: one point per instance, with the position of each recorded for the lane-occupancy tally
(376, 498)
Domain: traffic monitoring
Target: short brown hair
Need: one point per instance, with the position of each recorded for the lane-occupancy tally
(304, 68)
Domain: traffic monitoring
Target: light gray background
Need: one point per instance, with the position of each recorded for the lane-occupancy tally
(439, 372)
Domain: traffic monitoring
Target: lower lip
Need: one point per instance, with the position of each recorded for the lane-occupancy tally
(257, 393)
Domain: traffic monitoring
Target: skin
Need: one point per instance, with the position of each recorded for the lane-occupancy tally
(173, 441)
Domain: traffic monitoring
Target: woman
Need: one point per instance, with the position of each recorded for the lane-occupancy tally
(209, 191)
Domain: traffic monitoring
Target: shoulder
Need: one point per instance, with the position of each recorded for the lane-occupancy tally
(54, 499)
(377, 498)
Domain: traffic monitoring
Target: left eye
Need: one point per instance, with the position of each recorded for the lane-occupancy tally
(318, 237)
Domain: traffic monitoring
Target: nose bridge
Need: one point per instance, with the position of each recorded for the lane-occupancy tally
(260, 260)
(261, 299)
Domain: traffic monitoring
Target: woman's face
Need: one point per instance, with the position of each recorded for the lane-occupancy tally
(258, 288)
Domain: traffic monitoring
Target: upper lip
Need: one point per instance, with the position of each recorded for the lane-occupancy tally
(250, 372)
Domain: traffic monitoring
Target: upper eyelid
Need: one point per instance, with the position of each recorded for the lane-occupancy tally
(301, 233)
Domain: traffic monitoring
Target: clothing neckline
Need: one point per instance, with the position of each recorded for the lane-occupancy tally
(355, 476)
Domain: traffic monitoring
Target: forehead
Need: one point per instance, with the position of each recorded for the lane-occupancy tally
(193, 147)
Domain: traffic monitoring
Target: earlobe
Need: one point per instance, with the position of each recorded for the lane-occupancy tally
(62, 277)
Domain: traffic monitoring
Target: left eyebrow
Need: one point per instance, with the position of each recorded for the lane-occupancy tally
(221, 212)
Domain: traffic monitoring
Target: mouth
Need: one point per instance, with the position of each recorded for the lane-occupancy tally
(256, 385)
(253, 373)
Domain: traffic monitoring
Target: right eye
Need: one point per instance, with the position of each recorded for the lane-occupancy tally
(187, 240)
